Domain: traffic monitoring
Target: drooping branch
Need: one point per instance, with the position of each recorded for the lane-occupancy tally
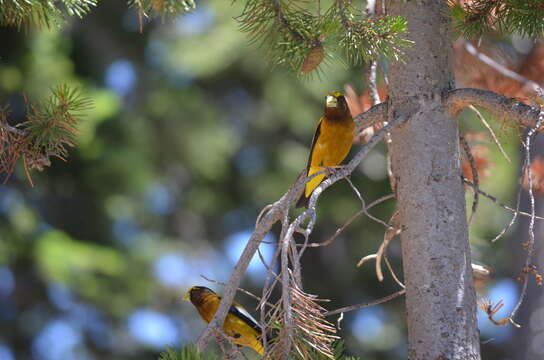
(501, 106)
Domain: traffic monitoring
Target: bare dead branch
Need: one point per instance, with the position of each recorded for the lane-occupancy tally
(475, 177)
(496, 201)
(351, 219)
(392, 272)
(367, 304)
(390, 234)
(364, 207)
(288, 321)
(487, 306)
(501, 106)
(531, 243)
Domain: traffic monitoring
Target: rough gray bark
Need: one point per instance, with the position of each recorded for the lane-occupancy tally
(440, 298)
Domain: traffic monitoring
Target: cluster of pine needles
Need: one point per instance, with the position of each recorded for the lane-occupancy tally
(49, 128)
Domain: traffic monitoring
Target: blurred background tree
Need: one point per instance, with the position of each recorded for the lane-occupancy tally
(190, 134)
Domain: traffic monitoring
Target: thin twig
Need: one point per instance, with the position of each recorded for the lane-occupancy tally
(367, 304)
(364, 207)
(496, 201)
(392, 272)
(388, 236)
(491, 132)
(351, 219)
(248, 293)
(382, 252)
(512, 220)
(487, 306)
(531, 232)
(288, 321)
(475, 177)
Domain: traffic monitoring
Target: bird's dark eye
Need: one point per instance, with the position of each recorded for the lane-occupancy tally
(236, 336)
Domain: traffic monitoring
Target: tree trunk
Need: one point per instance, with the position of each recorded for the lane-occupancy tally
(440, 298)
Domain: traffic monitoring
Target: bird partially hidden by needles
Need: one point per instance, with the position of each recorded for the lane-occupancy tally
(331, 143)
(239, 325)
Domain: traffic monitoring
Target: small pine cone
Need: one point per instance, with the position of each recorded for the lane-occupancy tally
(313, 59)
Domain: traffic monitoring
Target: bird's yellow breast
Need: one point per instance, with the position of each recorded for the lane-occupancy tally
(333, 143)
(331, 147)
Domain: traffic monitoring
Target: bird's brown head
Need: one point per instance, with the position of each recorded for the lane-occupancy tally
(196, 294)
(336, 106)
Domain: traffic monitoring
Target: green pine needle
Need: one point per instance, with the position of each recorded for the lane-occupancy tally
(289, 32)
(189, 352)
(53, 124)
(162, 7)
(41, 13)
(50, 128)
(525, 17)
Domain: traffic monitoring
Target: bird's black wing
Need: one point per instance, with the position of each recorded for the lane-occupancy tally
(303, 200)
(242, 314)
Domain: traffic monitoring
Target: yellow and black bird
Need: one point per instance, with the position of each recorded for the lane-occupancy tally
(239, 325)
(331, 144)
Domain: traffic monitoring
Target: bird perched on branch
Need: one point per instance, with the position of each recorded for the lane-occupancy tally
(331, 143)
(239, 324)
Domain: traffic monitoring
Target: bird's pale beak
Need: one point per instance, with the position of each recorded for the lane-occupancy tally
(331, 101)
(187, 296)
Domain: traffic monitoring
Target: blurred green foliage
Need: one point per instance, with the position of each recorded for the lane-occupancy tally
(191, 134)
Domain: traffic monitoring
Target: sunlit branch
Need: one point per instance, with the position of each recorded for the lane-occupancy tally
(501, 106)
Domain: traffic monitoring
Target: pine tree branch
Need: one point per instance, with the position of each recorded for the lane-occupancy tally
(24, 13)
(49, 129)
(501, 106)
(476, 17)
